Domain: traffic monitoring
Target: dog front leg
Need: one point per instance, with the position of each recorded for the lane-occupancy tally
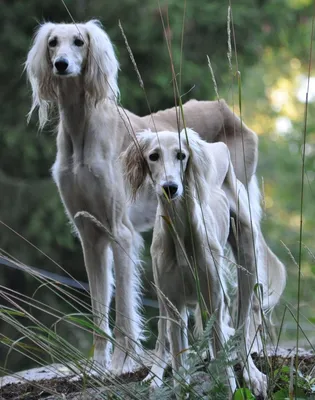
(98, 263)
(216, 305)
(128, 327)
(155, 377)
(177, 321)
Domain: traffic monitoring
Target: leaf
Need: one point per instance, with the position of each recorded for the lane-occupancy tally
(12, 312)
(243, 394)
(282, 394)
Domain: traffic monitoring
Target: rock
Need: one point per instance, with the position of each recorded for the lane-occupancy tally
(57, 381)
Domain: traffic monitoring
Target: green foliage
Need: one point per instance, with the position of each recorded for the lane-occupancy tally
(243, 394)
(305, 388)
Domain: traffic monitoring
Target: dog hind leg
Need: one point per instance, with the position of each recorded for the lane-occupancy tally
(243, 249)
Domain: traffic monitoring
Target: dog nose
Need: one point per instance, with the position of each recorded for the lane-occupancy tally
(61, 64)
(170, 189)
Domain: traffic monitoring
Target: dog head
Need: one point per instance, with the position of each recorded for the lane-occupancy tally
(65, 52)
(67, 48)
(174, 160)
(166, 155)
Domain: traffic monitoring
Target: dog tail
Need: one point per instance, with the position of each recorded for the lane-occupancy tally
(275, 275)
(272, 272)
(254, 200)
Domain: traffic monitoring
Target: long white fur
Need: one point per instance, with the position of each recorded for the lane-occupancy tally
(92, 133)
(212, 193)
(174, 255)
(88, 174)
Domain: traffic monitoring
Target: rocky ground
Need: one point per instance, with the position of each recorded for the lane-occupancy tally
(59, 382)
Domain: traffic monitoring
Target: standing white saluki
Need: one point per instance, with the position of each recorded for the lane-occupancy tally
(197, 191)
(73, 67)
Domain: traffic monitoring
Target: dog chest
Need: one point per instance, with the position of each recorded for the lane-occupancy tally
(86, 188)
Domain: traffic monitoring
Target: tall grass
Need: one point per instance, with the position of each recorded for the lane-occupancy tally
(39, 342)
(302, 191)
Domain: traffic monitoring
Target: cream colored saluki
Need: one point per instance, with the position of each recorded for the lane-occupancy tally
(197, 193)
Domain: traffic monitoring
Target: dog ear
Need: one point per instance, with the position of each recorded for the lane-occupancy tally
(39, 74)
(134, 164)
(102, 65)
(220, 154)
(208, 164)
(198, 166)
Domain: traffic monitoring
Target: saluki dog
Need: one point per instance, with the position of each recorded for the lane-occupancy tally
(74, 67)
(189, 236)
(197, 191)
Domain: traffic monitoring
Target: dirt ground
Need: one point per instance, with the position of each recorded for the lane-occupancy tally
(61, 387)
(57, 388)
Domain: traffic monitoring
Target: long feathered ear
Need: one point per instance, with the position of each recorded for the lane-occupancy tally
(221, 160)
(39, 74)
(102, 65)
(207, 166)
(134, 164)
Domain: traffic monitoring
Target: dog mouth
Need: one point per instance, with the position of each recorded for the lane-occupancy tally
(61, 73)
(64, 74)
(172, 197)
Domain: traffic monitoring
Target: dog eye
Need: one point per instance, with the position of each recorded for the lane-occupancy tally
(181, 156)
(52, 42)
(154, 156)
(78, 42)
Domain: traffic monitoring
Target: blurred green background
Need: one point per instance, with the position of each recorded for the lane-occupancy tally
(272, 43)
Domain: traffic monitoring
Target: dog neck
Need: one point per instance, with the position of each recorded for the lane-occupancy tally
(72, 105)
(175, 212)
(81, 120)
(176, 229)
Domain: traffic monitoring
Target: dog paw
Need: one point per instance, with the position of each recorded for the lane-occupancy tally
(257, 381)
(122, 363)
(155, 376)
(101, 364)
(102, 354)
(231, 380)
(228, 332)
